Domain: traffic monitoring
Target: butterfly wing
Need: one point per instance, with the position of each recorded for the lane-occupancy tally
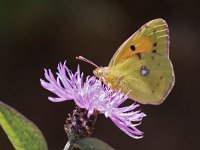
(141, 66)
(151, 37)
(147, 80)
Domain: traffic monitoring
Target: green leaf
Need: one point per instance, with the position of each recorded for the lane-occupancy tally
(91, 144)
(22, 133)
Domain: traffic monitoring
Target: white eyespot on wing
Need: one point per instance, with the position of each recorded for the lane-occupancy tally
(144, 71)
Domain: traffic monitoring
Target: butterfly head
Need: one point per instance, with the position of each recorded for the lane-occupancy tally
(100, 72)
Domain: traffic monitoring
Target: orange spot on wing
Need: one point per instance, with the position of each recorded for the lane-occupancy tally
(142, 44)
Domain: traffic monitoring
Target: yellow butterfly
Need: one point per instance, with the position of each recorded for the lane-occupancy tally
(141, 66)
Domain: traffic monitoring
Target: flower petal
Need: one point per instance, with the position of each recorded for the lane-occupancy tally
(93, 95)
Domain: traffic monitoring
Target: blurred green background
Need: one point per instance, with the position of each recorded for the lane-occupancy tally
(37, 34)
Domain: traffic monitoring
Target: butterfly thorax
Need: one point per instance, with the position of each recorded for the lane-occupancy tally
(107, 76)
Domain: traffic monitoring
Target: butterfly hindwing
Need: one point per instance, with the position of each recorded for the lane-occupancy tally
(148, 80)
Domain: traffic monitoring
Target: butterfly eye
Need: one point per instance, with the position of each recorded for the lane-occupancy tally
(98, 72)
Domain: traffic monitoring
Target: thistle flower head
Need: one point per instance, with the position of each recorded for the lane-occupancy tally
(92, 95)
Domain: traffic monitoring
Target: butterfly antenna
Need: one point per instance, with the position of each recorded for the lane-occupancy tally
(86, 60)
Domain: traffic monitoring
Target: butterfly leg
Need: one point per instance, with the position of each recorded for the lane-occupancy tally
(119, 80)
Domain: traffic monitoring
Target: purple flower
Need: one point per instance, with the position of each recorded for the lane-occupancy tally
(92, 95)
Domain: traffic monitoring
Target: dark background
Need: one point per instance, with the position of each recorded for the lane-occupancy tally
(38, 34)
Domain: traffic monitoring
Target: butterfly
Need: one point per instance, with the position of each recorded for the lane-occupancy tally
(141, 67)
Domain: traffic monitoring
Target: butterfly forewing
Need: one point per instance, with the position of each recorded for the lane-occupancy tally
(151, 37)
